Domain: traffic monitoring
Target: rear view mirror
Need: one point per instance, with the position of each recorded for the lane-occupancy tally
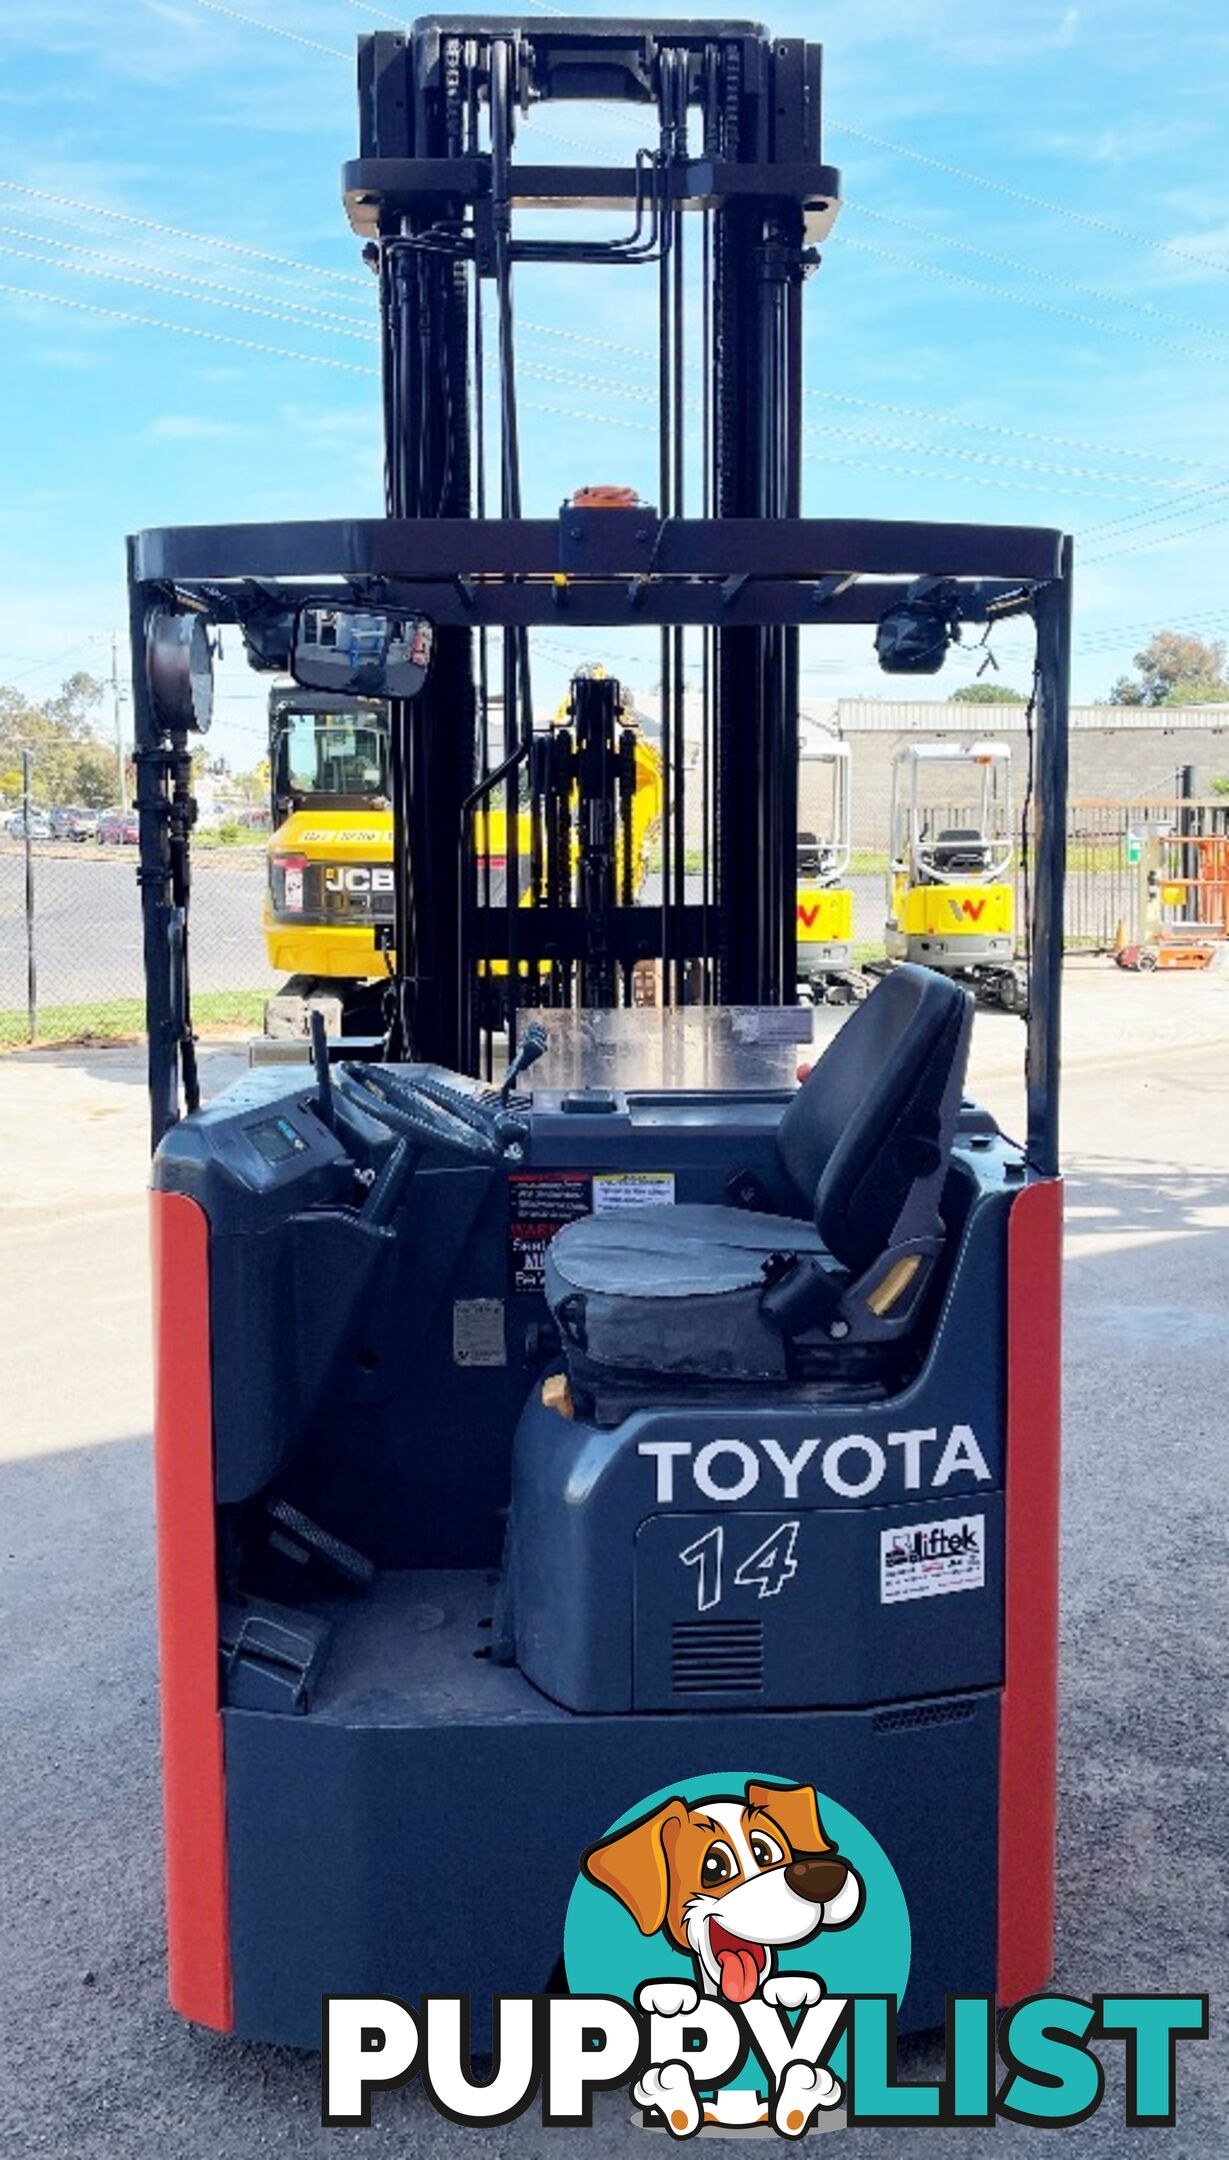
(357, 650)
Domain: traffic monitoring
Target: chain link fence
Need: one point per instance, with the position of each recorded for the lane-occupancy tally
(70, 937)
(70, 920)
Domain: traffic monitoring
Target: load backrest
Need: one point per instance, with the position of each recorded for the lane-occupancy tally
(870, 1132)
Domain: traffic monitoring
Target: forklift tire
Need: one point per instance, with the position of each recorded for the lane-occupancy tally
(1149, 960)
(840, 993)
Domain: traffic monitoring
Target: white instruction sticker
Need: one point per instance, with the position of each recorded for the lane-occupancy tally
(615, 1191)
(929, 1559)
(478, 1335)
(356, 835)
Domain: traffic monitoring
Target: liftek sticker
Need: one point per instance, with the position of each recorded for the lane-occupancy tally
(929, 1559)
(614, 1191)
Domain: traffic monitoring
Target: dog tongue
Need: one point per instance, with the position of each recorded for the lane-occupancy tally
(739, 1973)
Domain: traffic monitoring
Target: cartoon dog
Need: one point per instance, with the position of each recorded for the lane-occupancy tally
(730, 1882)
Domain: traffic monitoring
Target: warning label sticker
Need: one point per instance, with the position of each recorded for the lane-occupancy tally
(928, 1559)
(615, 1190)
(539, 1203)
(542, 1201)
(478, 1336)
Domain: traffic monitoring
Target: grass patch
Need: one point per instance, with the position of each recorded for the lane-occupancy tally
(231, 835)
(1100, 856)
(112, 1019)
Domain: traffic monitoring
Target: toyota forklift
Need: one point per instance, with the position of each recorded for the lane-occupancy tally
(471, 1330)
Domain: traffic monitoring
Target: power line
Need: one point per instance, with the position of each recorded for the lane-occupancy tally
(1036, 202)
(213, 337)
(950, 452)
(943, 416)
(270, 303)
(993, 427)
(177, 232)
(1133, 547)
(121, 277)
(364, 8)
(1156, 513)
(1045, 307)
(1049, 277)
(162, 260)
(355, 368)
(595, 343)
(215, 7)
(1120, 633)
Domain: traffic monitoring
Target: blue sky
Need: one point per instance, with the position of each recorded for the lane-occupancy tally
(1022, 315)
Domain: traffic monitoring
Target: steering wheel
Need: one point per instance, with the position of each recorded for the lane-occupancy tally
(407, 1108)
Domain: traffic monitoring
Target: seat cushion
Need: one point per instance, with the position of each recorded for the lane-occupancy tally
(672, 1290)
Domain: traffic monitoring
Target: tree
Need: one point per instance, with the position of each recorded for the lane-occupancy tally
(987, 693)
(1175, 669)
(71, 761)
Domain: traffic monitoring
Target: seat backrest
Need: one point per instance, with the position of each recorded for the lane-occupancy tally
(961, 847)
(870, 1132)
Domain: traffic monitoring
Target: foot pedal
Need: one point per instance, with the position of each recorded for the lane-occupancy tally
(299, 1538)
(271, 1656)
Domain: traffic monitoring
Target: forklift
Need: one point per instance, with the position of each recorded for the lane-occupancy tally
(469, 1329)
(951, 892)
(826, 973)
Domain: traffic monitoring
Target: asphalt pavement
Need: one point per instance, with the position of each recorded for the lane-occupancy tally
(95, 2065)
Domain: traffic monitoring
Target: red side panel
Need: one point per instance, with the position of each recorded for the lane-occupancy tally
(194, 1800)
(1028, 1746)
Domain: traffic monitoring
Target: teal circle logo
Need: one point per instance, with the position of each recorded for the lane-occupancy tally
(802, 1884)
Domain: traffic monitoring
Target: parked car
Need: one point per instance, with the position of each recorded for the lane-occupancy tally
(72, 822)
(118, 828)
(39, 825)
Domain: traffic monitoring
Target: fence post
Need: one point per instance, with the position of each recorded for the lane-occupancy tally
(31, 970)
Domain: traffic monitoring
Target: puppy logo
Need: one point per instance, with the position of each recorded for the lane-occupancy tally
(730, 1881)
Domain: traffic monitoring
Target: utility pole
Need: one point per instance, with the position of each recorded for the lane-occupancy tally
(31, 970)
(117, 716)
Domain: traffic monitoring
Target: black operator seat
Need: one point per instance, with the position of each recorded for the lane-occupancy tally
(962, 847)
(693, 1294)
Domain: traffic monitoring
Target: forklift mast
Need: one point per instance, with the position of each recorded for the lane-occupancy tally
(730, 178)
(732, 168)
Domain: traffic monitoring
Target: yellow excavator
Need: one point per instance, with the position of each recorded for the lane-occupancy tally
(826, 971)
(951, 876)
(329, 903)
(330, 853)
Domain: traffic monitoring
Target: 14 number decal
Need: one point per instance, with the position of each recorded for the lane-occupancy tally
(766, 1570)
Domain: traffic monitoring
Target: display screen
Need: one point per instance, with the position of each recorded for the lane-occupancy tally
(277, 1140)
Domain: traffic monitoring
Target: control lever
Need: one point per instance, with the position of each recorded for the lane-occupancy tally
(326, 1108)
(535, 1042)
